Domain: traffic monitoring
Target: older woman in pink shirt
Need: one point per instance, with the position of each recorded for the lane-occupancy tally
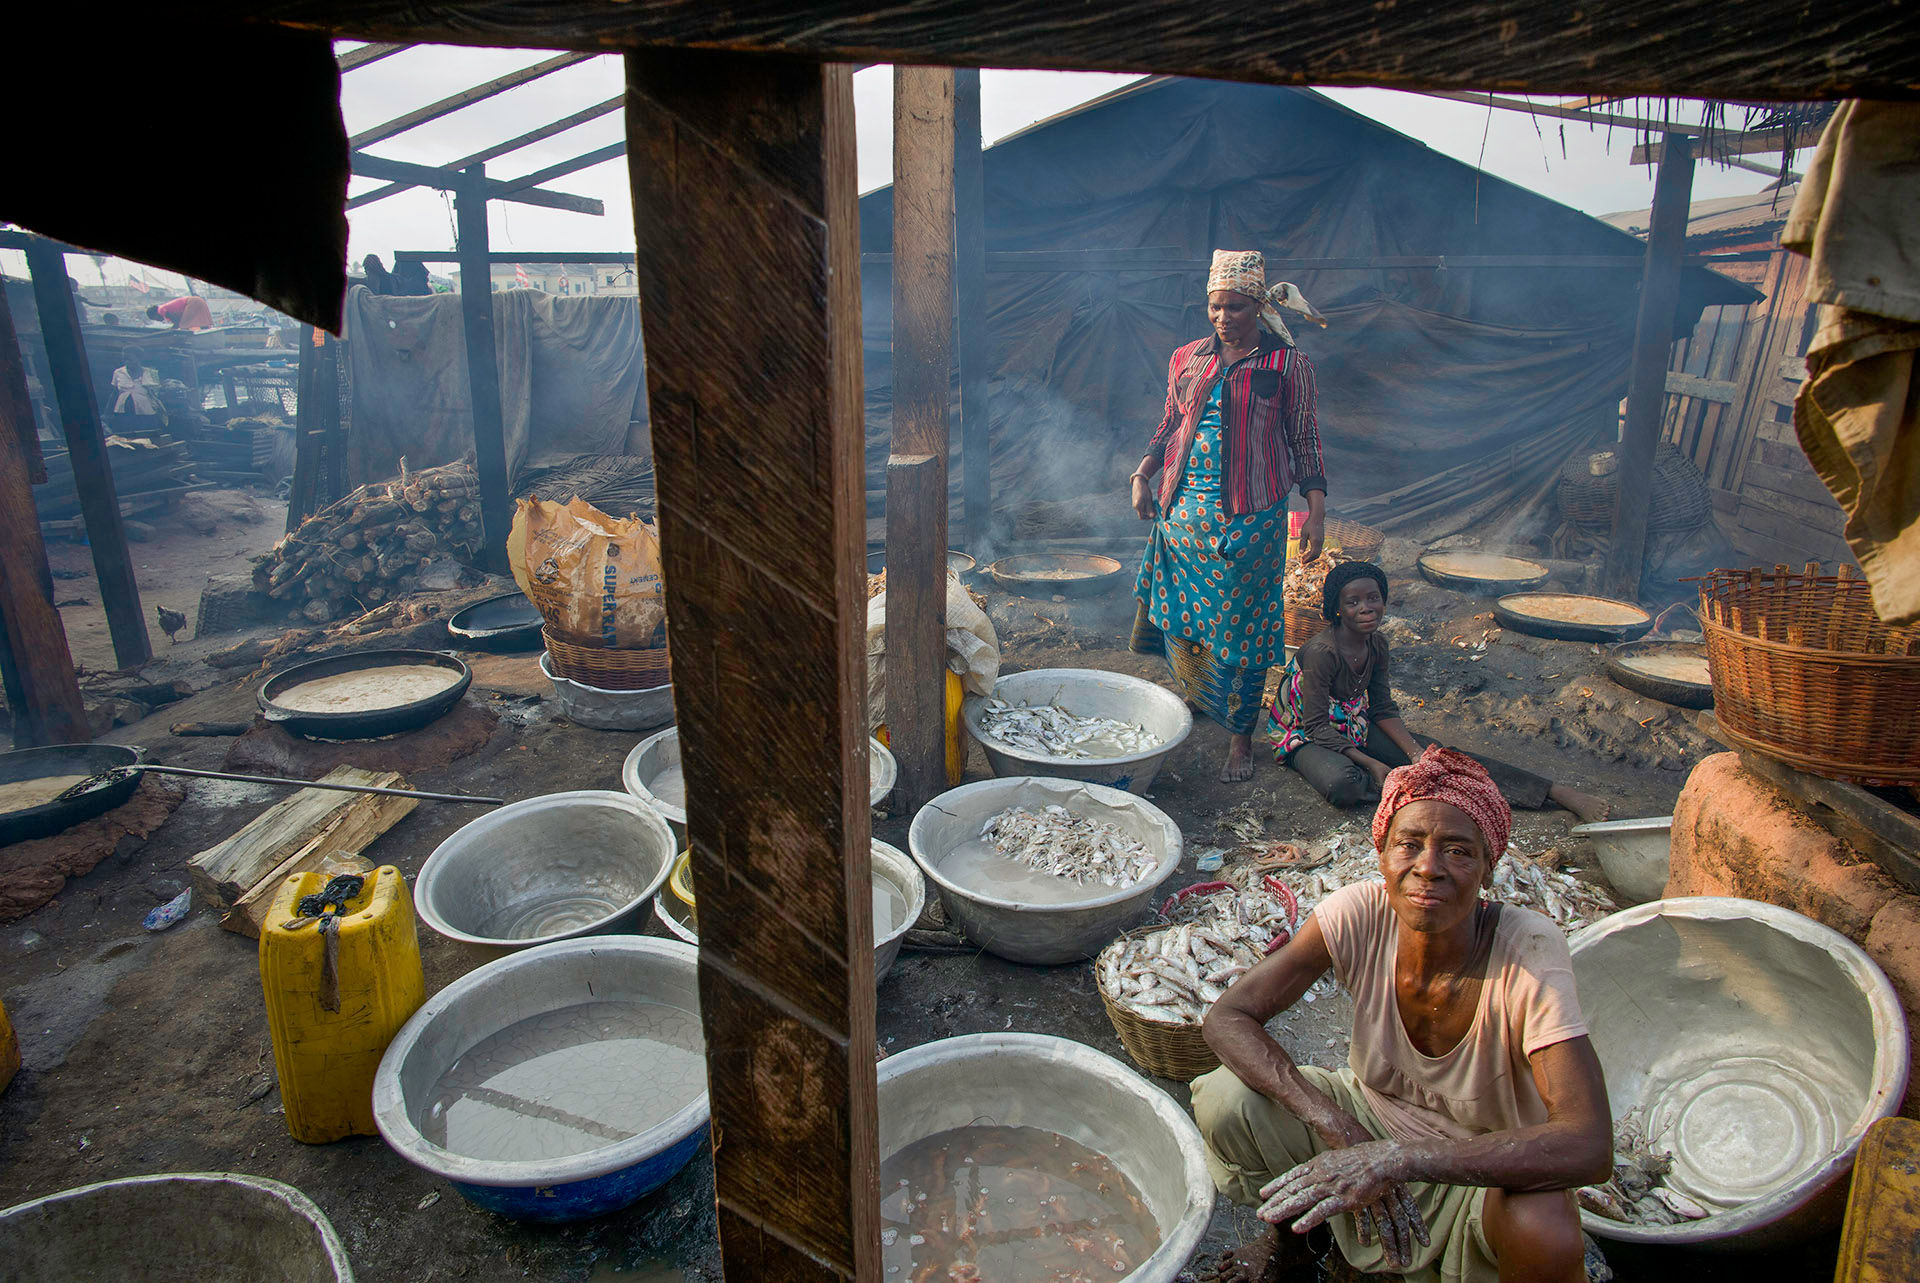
(1472, 1104)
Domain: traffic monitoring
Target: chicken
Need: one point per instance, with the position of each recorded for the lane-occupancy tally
(171, 621)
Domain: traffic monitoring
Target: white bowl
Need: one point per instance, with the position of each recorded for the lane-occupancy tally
(660, 752)
(1086, 692)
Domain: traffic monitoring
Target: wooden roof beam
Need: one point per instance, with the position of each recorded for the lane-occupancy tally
(365, 55)
(1758, 142)
(440, 180)
(1766, 50)
(612, 151)
(465, 98)
(481, 157)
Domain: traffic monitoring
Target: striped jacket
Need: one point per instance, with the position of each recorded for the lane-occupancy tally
(1269, 413)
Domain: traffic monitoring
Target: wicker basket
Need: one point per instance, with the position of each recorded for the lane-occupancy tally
(612, 670)
(1806, 672)
(1303, 623)
(1677, 501)
(1362, 543)
(1168, 1051)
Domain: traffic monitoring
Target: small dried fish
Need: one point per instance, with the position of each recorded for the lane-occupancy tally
(1638, 1193)
(1052, 731)
(1212, 939)
(1056, 841)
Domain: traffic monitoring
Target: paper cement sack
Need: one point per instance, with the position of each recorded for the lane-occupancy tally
(594, 578)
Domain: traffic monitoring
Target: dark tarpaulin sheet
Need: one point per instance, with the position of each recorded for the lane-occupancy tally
(1446, 397)
(226, 160)
(571, 380)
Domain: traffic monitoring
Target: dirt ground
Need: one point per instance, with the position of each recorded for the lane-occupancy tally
(150, 1052)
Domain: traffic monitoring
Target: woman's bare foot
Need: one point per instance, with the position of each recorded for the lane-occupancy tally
(1589, 809)
(1239, 763)
(1272, 1258)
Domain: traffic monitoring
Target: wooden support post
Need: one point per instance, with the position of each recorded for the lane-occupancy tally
(87, 451)
(483, 366)
(1647, 380)
(308, 431)
(749, 274)
(970, 310)
(42, 689)
(326, 391)
(922, 406)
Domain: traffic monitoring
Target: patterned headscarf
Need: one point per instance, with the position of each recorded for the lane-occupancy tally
(1450, 776)
(1244, 271)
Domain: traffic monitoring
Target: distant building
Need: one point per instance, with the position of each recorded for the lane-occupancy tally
(573, 279)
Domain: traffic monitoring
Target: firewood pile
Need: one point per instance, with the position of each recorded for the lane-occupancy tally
(369, 548)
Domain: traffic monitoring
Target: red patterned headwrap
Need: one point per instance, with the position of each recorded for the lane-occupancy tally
(1450, 776)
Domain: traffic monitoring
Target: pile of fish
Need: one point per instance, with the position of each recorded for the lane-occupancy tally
(1530, 881)
(1638, 1194)
(1058, 842)
(1174, 974)
(1052, 731)
(1306, 581)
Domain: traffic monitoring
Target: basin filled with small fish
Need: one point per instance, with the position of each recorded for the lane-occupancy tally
(1747, 1050)
(555, 1084)
(1080, 724)
(1043, 870)
(226, 1228)
(1023, 1158)
(899, 896)
(546, 868)
(653, 773)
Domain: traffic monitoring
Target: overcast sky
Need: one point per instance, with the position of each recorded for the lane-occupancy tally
(1592, 175)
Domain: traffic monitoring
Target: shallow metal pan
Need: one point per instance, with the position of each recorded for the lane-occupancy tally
(373, 723)
(1526, 612)
(506, 622)
(1668, 690)
(64, 759)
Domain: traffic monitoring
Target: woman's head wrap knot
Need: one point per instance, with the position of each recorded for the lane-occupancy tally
(1244, 271)
(1450, 776)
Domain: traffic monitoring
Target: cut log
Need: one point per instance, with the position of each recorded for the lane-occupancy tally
(224, 873)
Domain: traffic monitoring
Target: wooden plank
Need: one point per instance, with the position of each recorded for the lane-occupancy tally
(1679, 384)
(87, 451)
(366, 55)
(337, 846)
(494, 152)
(586, 160)
(1885, 833)
(367, 166)
(1796, 480)
(465, 98)
(42, 689)
(1794, 369)
(1784, 325)
(1724, 501)
(1821, 514)
(1738, 143)
(970, 311)
(923, 147)
(483, 368)
(1777, 50)
(308, 431)
(224, 873)
(1790, 529)
(1646, 395)
(744, 168)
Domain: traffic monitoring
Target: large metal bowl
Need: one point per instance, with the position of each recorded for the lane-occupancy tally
(1034, 1080)
(226, 1228)
(1040, 933)
(1760, 1046)
(1087, 692)
(1634, 854)
(549, 868)
(889, 862)
(609, 710)
(503, 993)
(661, 752)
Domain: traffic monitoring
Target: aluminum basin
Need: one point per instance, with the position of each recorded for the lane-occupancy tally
(889, 862)
(549, 868)
(503, 993)
(608, 710)
(1634, 854)
(182, 1227)
(1034, 1080)
(661, 752)
(1761, 1046)
(1087, 692)
(1040, 933)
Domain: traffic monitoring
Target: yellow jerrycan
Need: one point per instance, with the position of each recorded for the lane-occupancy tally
(9, 1050)
(340, 967)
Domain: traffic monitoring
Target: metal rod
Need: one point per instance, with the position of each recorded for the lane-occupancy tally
(312, 784)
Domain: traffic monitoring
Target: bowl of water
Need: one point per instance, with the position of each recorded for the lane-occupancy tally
(899, 896)
(548, 868)
(1755, 1046)
(1061, 1161)
(653, 774)
(1116, 730)
(1016, 911)
(555, 1084)
(231, 1229)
